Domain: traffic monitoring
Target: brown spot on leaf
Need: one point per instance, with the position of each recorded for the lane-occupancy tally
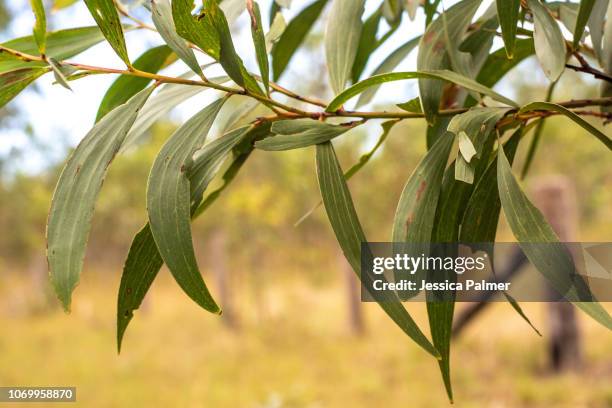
(421, 189)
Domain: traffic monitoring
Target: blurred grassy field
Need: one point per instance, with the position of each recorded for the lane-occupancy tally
(293, 349)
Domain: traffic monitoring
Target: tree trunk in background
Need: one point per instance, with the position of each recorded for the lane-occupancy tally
(353, 297)
(218, 264)
(556, 198)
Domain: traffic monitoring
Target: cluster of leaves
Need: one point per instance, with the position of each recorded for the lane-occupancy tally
(456, 71)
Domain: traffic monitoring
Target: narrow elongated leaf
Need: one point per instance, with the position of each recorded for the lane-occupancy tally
(548, 41)
(445, 75)
(540, 243)
(596, 26)
(60, 45)
(586, 7)
(342, 35)
(388, 65)
(548, 106)
(432, 51)
(295, 134)
(161, 11)
(169, 204)
(347, 228)
(416, 209)
(13, 82)
(144, 261)
(293, 36)
(259, 40)
(196, 29)
(58, 71)
(76, 192)
(497, 64)
(508, 14)
(277, 28)
(40, 27)
(367, 44)
(127, 86)
(107, 18)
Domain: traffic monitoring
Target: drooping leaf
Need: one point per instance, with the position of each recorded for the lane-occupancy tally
(444, 75)
(58, 72)
(586, 7)
(596, 26)
(107, 18)
(548, 41)
(40, 27)
(367, 44)
(347, 228)
(508, 14)
(127, 86)
(161, 12)
(416, 209)
(144, 261)
(466, 148)
(547, 106)
(392, 11)
(411, 7)
(388, 65)
(433, 51)
(259, 41)
(541, 245)
(169, 204)
(497, 64)
(60, 45)
(481, 214)
(295, 134)
(293, 36)
(76, 192)
(277, 28)
(342, 34)
(13, 82)
(196, 29)
(232, 9)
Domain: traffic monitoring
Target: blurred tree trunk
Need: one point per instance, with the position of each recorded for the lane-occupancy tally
(556, 198)
(353, 297)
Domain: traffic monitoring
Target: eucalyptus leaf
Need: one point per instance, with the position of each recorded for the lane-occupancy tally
(347, 228)
(40, 27)
(107, 18)
(277, 28)
(57, 72)
(259, 41)
(76, 192)
(199, 30)
(161, 12)
(169, 204)
(295, 134)
(596, 26)
(293, 36)
(586, 7)
(508, 14)
(342, 34)
(548, 41)
(13, 82)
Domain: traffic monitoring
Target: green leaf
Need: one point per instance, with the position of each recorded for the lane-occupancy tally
(413, 105)
(61, 4)
(60, 45)
(508, 14)
(169, 204)
(497, 64)
(540, 243)
(342, 34)
(596, 26)
(347, 228)
(416, 209)
(58, 72)
(277, 28)
(388, 65)
(229, 59)
(161, 11)
(445, 75)
(392, 11)
(293, 36)
(586, 6)
(466, 148)
(367, 44)
(76, 192)
(40, 27)
(126, 86)
(295, 134)
(196, 29)
(433, 51)
(144, 261)
(259, 41)
(107, 18)
(547, 106)
(548, 41)
(13, 82)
